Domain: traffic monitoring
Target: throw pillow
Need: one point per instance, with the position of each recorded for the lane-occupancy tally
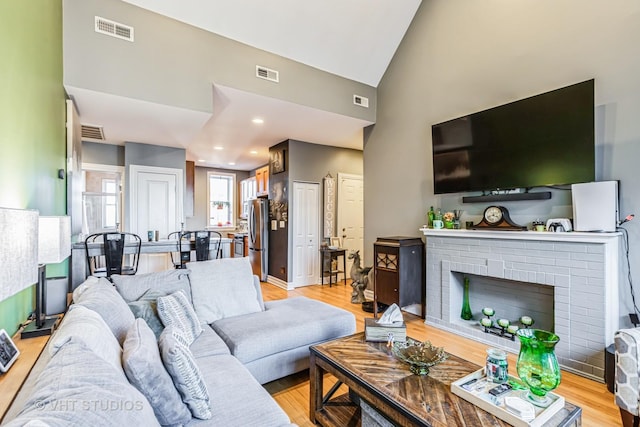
(144, 368)
(222, 288)
(101, 297)
(176, 310)
(147, 309)
(184, 371)
(87, 326)
(133, 287)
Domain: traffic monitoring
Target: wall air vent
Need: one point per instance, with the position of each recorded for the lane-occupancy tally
(361, 101)
(267, 74)
(92, 132)
(114, 29)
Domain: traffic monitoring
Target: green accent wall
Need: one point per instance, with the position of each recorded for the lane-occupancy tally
(32, 117)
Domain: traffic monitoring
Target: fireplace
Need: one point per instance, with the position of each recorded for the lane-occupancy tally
(567, 282)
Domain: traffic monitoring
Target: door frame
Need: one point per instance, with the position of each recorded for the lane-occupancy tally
(134, 171)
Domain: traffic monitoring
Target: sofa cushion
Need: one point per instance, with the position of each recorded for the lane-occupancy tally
(176, 310)
(147, 308)
(79, 389)
(222, 288)
(144, 368)
(239, 402)
(284, 325)
(208, 344)
(184, 371)
(101, 297)
(133, 287)
(87, 326)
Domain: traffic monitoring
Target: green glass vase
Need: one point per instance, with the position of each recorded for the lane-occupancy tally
(466, 309)
(537, 364)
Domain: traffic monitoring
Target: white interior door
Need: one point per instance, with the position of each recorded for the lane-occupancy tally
(351, 213)
(306, 230)
(156, 204)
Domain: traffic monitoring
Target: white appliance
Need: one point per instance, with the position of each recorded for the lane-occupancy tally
(595, 206)
(259, 237)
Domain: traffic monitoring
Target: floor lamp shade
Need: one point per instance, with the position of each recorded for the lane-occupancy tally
(18, 250)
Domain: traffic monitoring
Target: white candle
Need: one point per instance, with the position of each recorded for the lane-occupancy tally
(486, 322)
(488, 311)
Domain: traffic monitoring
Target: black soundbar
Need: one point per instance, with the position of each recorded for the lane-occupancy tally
(510, 197)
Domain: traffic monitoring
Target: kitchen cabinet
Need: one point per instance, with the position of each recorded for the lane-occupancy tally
(189, 197)
(399, 271)
(262, 181)
(247, 192)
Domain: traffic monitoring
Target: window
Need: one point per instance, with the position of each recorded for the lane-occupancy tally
(101, 198)
(109, 206)
(221, 208)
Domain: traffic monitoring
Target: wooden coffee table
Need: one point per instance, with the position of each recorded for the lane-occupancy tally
(374, 375)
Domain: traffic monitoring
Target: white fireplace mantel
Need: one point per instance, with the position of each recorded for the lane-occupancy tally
(547, 236)
(583, 269)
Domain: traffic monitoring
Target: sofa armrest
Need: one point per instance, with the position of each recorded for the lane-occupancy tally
(256, 283)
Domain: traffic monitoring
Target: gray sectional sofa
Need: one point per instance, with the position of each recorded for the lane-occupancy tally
(180, 347)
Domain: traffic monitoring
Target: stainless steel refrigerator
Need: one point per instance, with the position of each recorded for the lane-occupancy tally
(259, 237)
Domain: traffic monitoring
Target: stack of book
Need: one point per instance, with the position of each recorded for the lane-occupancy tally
(376, 332)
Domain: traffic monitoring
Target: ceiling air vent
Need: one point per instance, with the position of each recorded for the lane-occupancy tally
(267, 74)
(92, 132)
(114, 29)
(361, 101)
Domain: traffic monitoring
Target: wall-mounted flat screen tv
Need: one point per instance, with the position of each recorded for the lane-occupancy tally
(544, 140)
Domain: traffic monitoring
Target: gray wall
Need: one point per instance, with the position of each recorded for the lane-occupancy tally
(199, 219)
(173, 63)
(310, 163)
(461, 57)
(102, 154)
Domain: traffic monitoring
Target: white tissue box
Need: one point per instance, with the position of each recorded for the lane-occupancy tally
(380, 333)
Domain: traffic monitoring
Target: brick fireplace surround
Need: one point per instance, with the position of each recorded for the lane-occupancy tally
(582, 269)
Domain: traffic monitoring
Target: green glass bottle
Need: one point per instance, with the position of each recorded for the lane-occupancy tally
(537, 364)
(466, 309)
(430, 216)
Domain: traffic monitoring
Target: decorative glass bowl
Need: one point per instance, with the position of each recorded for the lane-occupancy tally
(420, 356)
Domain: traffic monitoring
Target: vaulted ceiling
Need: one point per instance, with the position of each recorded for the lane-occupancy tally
(354, 39)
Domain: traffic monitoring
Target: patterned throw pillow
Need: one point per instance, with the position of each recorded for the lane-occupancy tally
(176, 310)
(184, 371)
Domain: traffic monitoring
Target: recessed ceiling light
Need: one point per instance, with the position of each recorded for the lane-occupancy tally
(201, 160)
(258, 121)
(218, 148)
(253, 152)
(232, 164)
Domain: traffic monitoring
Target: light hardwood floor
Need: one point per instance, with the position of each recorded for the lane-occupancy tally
(292, 392)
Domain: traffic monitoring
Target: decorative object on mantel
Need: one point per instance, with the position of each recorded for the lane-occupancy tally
(497, 218)
(359, 278)
(448, 218)
(537, 364)
(466, 313)
(420, 356)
